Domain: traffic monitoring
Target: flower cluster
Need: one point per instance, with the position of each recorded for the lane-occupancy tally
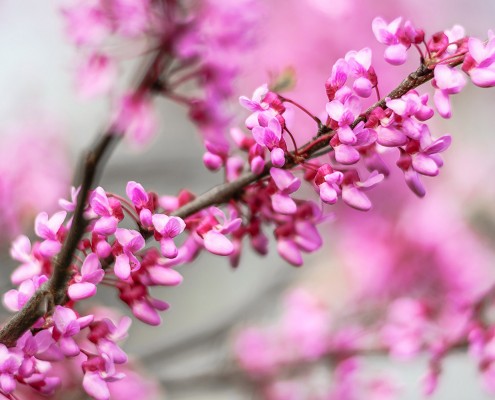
(418, 300)
(199, 45)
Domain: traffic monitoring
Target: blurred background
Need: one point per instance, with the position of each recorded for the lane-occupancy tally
(45, 126)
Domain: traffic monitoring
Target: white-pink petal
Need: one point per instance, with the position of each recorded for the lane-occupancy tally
(122, 267)
(95, 386)
(83, 290)
(218, 243)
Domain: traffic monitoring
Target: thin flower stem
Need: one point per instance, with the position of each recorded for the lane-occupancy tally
(293, 140)
(302, 108)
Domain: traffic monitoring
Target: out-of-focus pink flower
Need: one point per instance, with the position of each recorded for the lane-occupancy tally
(95, 75)
(135, 118)
(34, 174)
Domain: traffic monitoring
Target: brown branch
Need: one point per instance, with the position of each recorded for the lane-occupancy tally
(223, 193)
(54, 291)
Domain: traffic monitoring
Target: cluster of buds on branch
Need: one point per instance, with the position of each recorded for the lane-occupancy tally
(86, 244)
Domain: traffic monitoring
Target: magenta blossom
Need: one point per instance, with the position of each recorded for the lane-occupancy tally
(286, 183)
(66, 326)
(85, 282)
(135, 118)
(213, 231)
(49, 229)
(98, 371)
(389, 34)
(108, 209)
(126, 262)
(30, 267)
(447, 81)
(95, 75)
(166, 228)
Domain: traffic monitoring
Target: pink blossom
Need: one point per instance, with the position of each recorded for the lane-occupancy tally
(166, 228)
(447, 81)
(389, 34)
(286, 183)
(213, 231)
(70, 206)
(9, 366)
(411, 104)
(30, 267)
(15, 300)
(87, 24)
(135, 118)
(352, 189)
(126, 262)
(95, 75)
(67, 325)
(256, 102)
(84, 285)
(108, 209)
(345, 114)
(48, 229)
(98, 371)
(270, 135)
(480, 61)
(104, 334)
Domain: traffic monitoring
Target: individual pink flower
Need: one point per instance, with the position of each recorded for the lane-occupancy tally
(95, 75)
(480, 61)
(411, 104)
(142, 305)
(447, 81)
(105, 335)
(256, 102)
(67, 205)
(48, 229)
(108, 209)
(15, 300)
(328, 182)
(268, 136)
(286, 183)
(136, 193)
(337, 79)
(352, 189)
(389, 34)
(214, 228)
(98, 371)
(66, 326)
(87, 24)
(166, 228)
(126, 262)
(84, 283)
(360, 63)
(135, 118)
(9, 366)
(345, 114)
(30, 267)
